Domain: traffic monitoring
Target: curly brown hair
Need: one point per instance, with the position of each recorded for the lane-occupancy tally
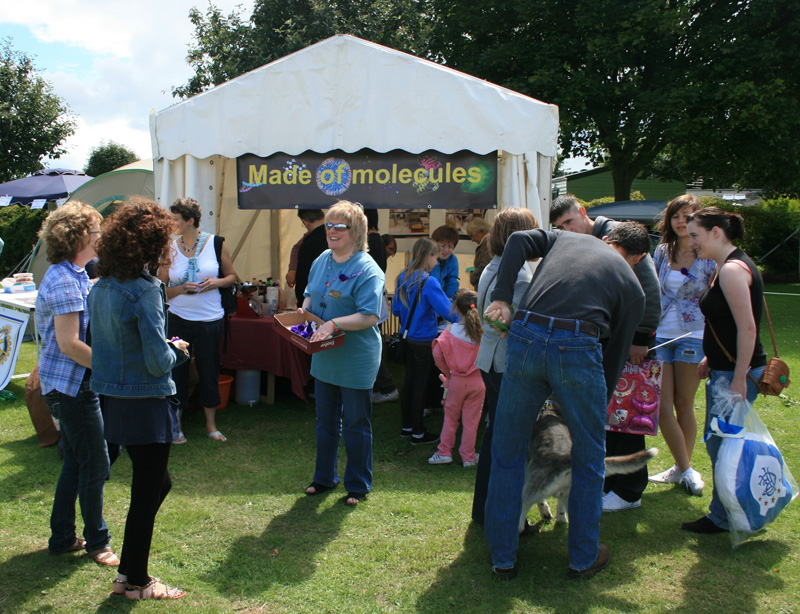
(65, 231)
(134, 237)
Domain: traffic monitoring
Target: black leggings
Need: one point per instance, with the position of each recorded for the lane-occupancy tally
(149, 488)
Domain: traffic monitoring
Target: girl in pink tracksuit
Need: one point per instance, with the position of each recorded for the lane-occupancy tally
(454, 352)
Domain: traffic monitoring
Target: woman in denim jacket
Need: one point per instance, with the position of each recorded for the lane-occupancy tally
(683, 278)
(131, 367)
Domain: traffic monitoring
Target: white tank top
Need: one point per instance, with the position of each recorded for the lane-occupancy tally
(203, 306)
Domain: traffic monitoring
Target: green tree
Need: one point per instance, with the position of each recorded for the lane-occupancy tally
(34, 122)
(226, 46)
(107, 157)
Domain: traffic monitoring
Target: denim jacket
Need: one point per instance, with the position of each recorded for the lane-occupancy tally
(687, 299)
(130, 353)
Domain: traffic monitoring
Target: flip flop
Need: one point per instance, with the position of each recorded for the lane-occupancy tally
(105, 557)
(181, 439)
(78, 545)
(357, 496)
(217, 436)
(318, 489)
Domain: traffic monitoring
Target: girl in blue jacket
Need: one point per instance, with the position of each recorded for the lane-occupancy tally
(422, 330)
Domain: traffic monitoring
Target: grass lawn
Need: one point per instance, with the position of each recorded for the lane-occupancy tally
(238, 534)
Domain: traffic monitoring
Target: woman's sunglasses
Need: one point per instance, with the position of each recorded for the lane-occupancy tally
(330, 225)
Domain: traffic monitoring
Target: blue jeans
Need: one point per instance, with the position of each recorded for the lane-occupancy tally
(541, 360)
(349, 410)
(84, 472)
(716, 511)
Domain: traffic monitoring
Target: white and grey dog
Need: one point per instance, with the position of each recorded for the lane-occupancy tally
(548, 472)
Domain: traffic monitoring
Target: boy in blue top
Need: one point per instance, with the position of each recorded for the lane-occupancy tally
(446, 269)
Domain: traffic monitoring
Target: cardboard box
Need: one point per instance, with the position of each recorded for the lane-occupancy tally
(284, 321)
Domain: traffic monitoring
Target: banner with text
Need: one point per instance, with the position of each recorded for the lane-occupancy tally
(392, 180)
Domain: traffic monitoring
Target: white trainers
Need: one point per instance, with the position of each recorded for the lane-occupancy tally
(379, 397)
(694, 483)
(670, 476)
(472, 463)
(612, 502)
(437, 459)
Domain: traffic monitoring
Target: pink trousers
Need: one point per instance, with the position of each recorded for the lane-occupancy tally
(464, 401)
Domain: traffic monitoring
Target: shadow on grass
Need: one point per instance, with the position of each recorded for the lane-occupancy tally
(286, 552)
(30, 575)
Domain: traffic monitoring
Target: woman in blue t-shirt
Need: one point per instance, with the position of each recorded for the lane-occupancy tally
(344, 289)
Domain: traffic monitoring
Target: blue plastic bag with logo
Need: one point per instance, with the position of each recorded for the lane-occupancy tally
(752, 479)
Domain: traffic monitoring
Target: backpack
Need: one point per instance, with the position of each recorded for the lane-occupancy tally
(227, 295)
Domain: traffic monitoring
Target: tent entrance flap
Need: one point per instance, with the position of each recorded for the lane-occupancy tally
(392, 180)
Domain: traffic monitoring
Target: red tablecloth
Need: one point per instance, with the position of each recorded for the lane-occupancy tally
(255, 344)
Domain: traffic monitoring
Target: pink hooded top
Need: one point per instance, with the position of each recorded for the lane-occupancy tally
(454, 356)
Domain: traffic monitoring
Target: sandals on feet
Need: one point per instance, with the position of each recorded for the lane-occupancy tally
(354, 498)
(318, 488)
(120, 582)
(217, 436)
(155, 589)
(181, 439)
(78, 545)
(105, 556)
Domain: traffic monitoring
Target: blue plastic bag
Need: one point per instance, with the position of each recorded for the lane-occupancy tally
(752, 479)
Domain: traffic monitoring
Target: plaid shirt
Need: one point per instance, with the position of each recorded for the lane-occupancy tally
(63, 290)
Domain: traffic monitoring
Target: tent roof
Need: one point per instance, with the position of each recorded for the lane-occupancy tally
(642, 211)
(347, 93)
(115, 187)
(49, 183)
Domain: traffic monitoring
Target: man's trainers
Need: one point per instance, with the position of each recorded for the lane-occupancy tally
(438, 459)
(670, 476)
(694, 483)
(600, 563)
(612, 502)
(426, 437)
(472, 463)
(379, 397)
(406, 432)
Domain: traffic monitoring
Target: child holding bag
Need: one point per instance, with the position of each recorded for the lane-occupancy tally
(454, 352)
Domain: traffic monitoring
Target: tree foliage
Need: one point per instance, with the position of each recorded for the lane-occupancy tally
(226, 46)
(107, 157)
(681, 88)
(34, 121)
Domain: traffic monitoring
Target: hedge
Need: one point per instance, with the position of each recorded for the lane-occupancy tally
(19, 229)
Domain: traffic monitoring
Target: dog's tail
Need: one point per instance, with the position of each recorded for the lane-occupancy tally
(616, 465)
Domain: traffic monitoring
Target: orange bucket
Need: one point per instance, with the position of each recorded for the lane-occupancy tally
(225, 382)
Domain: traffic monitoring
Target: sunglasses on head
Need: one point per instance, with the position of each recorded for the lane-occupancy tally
(330, 225)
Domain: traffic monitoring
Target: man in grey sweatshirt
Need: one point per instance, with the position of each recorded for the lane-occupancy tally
(583, 293)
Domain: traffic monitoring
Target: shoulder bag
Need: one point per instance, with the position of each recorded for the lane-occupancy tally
(397, 346)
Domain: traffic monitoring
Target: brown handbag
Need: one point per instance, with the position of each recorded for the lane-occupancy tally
(776, 373)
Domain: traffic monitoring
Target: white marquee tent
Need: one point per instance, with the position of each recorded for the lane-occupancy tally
(341, 93)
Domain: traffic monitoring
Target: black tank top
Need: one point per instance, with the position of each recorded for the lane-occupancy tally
(717, 312)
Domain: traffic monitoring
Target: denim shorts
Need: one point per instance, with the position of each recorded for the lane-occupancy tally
(683, 350)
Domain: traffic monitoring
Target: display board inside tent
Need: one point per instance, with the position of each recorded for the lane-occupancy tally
(392, 180)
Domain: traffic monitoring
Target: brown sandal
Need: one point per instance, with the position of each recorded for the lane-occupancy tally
(105, 557)
(120, 582)
(79, 544)
(155, 589)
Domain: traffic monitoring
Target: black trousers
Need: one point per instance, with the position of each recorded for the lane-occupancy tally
(419, 363)
(492, 381)
(149, 488)
(631, 485)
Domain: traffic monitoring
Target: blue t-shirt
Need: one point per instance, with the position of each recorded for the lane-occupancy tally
(446, 271)
(339, 289)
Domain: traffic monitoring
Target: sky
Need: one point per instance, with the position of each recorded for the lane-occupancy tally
(112, 62)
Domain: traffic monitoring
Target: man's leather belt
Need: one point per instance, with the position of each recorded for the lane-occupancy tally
(585, 327)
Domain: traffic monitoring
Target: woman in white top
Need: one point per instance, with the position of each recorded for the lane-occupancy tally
(195, 306)
(683, 278)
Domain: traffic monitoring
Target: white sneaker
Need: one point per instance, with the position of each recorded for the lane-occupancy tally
(436, 459)
(670, 476)
(472, 463)
(379, 397)
(612, 502)
(694, 483)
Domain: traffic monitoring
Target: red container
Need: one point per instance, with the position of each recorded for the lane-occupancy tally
(243, 309)
(225, 382)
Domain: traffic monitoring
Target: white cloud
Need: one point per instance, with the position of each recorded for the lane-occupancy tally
(127, 58)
